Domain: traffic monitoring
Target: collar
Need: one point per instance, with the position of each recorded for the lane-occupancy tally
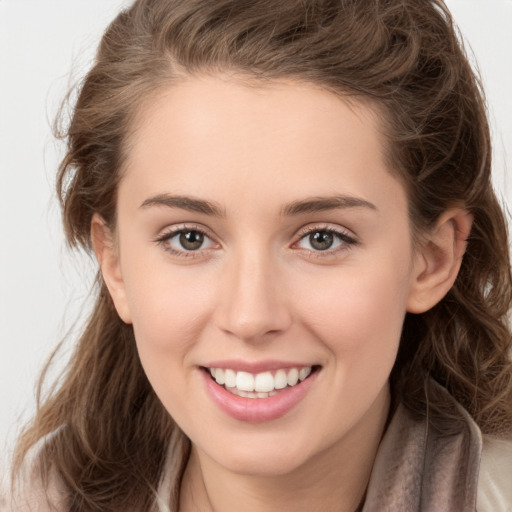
(427, 461)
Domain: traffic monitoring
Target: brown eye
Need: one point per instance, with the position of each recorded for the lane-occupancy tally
(326, 240)
(191, 240)
(321, 240)
(185, 241)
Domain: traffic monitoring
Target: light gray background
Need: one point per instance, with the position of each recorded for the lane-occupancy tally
(45, 45)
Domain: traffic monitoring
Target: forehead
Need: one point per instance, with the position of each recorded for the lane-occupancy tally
(205, 108)
(205, 132)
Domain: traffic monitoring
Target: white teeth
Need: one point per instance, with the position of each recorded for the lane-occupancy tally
(261, 385)
(280, 379)
(219, 376)
(230, 378)
(304, 372)
(293, 377)
(245, 381)
(264, 382)
(250, 394)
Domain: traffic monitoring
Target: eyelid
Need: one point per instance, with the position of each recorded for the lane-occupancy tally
(348, 238)
(170, 232)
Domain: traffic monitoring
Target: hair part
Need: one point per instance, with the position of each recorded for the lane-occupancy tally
(402, 55)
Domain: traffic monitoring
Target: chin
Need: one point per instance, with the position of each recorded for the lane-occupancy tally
(265, 454)
(276, 464)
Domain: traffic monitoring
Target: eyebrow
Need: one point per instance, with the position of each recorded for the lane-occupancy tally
(319, 204)
(189, 203)
(310, 205)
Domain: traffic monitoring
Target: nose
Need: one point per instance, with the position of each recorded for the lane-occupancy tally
(253, 305)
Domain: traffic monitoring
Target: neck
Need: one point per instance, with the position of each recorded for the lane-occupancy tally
(335, 479)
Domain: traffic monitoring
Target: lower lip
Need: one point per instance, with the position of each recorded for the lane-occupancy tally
(258, 409)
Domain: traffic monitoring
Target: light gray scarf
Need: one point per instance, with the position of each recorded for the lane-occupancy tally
(427, 463)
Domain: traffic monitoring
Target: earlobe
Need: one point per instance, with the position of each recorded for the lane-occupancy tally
(438, 260)
(108, 259)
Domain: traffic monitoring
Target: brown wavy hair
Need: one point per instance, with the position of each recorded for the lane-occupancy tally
(111, 433)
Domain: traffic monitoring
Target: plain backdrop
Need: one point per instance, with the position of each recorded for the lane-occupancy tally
(45, 46)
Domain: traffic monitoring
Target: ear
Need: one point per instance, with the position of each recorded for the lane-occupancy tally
(107, 255)
(438, 260)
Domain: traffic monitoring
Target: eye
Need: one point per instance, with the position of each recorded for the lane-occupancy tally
(185, 240)
(189, 240)
(325, 240)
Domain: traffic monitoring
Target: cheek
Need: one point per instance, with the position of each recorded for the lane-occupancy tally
(358, 311)
(358, 317)
(166, 318)
(167, 302)
(168, 307)
(168, 314)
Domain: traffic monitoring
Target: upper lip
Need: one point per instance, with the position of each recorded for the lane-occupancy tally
(255, 366)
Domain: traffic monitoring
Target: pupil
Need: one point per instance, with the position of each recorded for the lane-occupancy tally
(321, 240)
(191, 240)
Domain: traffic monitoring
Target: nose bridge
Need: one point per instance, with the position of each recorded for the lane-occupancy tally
(253, 304)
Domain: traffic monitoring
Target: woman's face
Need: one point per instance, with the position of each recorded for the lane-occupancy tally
(260, 235)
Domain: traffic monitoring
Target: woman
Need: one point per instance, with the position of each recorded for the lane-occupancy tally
(304, 274)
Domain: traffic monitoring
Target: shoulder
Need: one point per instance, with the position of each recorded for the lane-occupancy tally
(495, 479)
(29, 492)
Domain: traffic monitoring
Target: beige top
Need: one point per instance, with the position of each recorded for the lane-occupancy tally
(495, 481)
(435, 463)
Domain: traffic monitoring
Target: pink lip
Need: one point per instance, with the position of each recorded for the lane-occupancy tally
(257, 409)
(255, 366)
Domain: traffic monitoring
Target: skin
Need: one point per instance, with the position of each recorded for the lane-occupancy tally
(258, 290)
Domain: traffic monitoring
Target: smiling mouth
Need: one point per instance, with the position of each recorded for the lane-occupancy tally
(260, 385)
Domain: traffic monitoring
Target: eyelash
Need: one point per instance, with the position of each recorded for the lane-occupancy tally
(346, 240)
(168, 235)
